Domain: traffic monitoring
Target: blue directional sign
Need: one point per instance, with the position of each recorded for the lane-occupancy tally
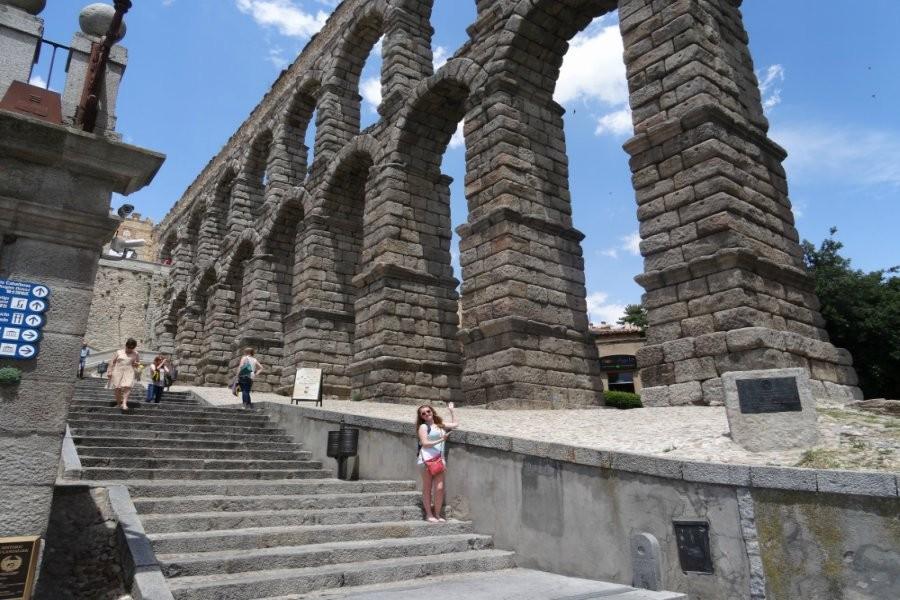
(22, 308)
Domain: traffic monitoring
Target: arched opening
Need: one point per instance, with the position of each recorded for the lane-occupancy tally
(193, 334)
(167, 249)
(192, 232)
(167, 331)
(221, 209)
(259, 174)
(301, 132)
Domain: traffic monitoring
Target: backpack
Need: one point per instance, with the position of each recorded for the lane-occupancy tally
(246, 369)
(155, 376)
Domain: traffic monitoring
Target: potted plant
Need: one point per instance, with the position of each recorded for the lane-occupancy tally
(9, 382)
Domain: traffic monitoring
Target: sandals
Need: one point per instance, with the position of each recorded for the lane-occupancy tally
(432, 520)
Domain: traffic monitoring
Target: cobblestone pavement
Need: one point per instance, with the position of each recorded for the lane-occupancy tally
(848, 438)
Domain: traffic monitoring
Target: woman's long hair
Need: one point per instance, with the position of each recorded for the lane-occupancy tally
(419, 420)
(157, 360)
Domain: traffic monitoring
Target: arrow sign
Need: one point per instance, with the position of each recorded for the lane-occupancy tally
(30, 335)
(26, 351)
(40, 291)
(34, 320)
(37, 306)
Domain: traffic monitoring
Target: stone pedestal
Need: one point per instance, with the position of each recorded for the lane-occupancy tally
(723, 266)
(78, 67)
(55, 192)
(20, 35)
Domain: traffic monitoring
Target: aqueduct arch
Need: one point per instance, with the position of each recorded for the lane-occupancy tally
(351, 271)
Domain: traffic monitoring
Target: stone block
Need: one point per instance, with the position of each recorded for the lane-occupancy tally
(646, 465)
(31, 459)
(712, 344)
(783, 478)
(682, 394)
(725, 474)
(655, 396)
(763, 418)
(858, 483)
(24, 509)
(35, 406)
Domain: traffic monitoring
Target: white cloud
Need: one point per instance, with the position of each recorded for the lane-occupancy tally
(441, 55)
(609, 253)
(631, 243)
(459, 139)
(616, 123)
(168, 2)
(38, 81)
(288, 18)
(841, 154)
(277, 58)
(600, 310)
(769, 86)
(593, 68)
(370, 89)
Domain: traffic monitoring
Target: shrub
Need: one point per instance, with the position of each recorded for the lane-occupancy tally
(356, 397)
(10, 376)
(622, 400)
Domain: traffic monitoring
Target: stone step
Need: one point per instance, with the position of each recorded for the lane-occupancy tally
(134, 442)
(154, 421)
(506, 584)
(194, 436)
(246, 586)
(192, 453)
(138, 397)
(109, 474)
(173, 425)
(165, 489)
(262, 537)
(104, 407)
(123, 462)
(218, 521)
(219, 503)
(166, 416)
(295, 557)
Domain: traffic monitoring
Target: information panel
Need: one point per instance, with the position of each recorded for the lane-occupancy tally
(18, 557)
(22, 318)
(308, 386)
(769, 395)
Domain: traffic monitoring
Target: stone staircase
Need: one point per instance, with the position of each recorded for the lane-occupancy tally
(235, 510)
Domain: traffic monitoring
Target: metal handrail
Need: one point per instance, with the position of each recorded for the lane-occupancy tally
(37, 56)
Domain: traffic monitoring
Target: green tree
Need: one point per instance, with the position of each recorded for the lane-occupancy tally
(862, 312)
(635, 314)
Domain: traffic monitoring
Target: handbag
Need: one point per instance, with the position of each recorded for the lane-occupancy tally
(435, 465)
(234, 387)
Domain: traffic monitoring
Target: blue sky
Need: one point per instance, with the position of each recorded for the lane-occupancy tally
(198, 67)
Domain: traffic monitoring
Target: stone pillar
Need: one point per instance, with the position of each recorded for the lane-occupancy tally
(723, 268)
(406, 311)
(337, 122)
(407, 56)
(190, 343)
(52, 234)
(526, 339)
(20, 35)
(78, 67)
(318, 332)
(260, 324)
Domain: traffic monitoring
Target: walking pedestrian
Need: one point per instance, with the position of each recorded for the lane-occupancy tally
(432, 433)
(158, 373)
(82, 359)
(171, 373)
(121, 372)
(248, 369)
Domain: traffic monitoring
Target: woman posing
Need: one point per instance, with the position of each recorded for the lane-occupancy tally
(121, 372)
(433, 433)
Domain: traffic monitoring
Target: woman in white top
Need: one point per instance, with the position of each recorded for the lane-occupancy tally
(432, 433)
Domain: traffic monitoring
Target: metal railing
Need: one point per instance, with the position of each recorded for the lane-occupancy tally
(37, 57)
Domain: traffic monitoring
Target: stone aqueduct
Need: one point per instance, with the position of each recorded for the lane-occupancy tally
(345, 263)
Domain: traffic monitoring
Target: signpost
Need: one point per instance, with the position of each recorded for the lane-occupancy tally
(22, 308)
(18, 557)
(307, 386)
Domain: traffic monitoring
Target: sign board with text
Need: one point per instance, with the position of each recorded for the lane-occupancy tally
(18, 558)
(22, 318)
(308, 386)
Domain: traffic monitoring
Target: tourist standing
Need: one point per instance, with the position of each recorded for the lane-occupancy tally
(159, 370)
(433, 433)
(248, 369)
(82, 359)
(121, 372)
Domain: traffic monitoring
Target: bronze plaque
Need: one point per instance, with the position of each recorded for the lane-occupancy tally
(18, 557)
(770, 395)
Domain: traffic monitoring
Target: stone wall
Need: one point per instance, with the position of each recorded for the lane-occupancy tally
(82, 553)
(344, 263)
(126, 303)
(136, 227)
(775, 533)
